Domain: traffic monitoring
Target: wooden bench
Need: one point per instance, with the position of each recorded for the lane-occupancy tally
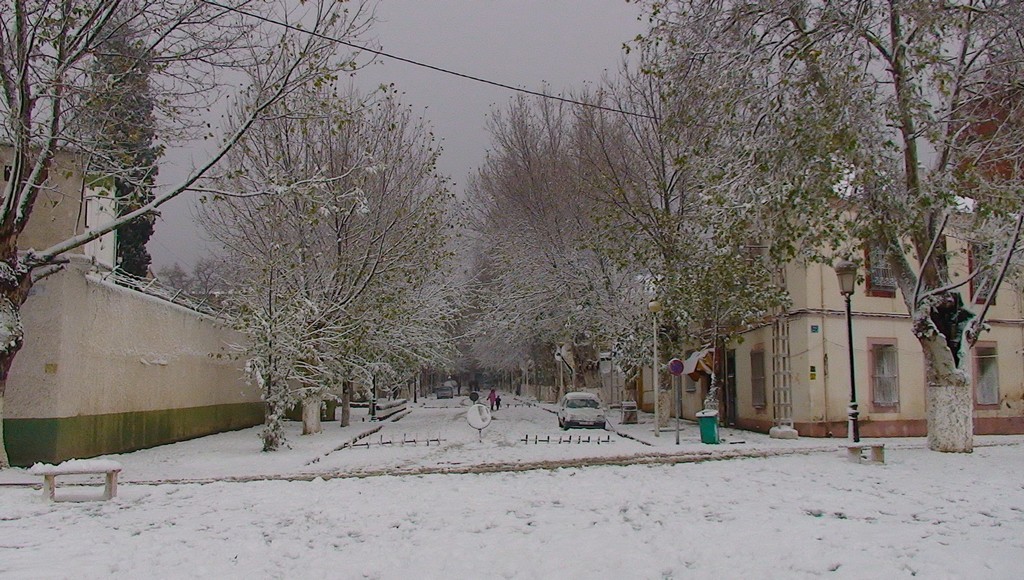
(109, 469)
(855, 452)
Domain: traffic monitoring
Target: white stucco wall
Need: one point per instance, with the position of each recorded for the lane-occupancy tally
(95, 348)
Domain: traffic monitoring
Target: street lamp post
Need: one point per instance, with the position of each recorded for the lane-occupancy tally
(561, 376)
(846, 271)
(655, 307)
(373, 397)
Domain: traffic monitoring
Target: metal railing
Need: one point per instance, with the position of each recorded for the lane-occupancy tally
(153, 287)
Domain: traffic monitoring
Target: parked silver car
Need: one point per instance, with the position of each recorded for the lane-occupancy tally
(581, 410)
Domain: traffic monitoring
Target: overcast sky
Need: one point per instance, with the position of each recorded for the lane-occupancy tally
(526, 43)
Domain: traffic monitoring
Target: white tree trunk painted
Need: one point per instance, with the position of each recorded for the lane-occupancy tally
(311, 414)
(950, 409)
(665, 407)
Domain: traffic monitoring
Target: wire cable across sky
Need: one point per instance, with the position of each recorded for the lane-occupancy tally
(435, 68)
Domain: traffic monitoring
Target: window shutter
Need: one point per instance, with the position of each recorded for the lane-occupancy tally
(886, 375)
(987, 379)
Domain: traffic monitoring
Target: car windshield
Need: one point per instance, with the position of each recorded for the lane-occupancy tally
(582, 403)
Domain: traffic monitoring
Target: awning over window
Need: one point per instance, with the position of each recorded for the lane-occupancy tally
(699, 363)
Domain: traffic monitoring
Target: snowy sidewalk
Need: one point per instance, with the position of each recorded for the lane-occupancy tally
(805, 512)
(234, 455)
(923, 514)
(435, 438)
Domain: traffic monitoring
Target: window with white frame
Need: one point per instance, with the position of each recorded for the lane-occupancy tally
(885, 377)
(986, 375)
(757, 379)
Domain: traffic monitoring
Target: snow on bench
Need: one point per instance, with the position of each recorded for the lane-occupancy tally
(78, 467)
(855, 452)
(386, 409)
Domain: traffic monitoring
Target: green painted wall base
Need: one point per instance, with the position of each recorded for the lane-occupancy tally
(53, 440)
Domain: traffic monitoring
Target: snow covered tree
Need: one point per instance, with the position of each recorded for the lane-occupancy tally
(333, 215)
(873, 123)
(545, 284)
(654, 179)
(47, 51)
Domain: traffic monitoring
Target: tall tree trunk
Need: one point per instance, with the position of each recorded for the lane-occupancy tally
(4, 460)
(346, 403)
(950, 404)
(273, 431)
(664, 407)
(311, 414)
(940, 323)
(14, 287)
(579, 355)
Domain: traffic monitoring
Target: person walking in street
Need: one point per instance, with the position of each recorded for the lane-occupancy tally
(492, 397)
(497, 403)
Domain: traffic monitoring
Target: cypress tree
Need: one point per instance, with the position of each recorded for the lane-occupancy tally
(121, 117)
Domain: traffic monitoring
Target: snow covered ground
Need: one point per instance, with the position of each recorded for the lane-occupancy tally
(450, 504)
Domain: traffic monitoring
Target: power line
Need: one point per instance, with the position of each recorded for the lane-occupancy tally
(426, 65)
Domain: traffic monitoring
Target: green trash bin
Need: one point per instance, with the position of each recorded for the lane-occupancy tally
(708, 422)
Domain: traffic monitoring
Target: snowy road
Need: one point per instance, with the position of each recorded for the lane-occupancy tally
(442, 437)
(805, 515)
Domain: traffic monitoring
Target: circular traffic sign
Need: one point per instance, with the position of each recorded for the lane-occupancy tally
(479, 416)
(675, 366)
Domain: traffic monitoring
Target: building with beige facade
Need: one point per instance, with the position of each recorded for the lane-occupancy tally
(795, 372)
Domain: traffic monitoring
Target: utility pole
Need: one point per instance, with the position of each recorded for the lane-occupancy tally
(655, 307)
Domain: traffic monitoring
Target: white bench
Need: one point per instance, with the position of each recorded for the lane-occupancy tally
(386, 409)
(629, 413)
(109, 469)
(855, 452)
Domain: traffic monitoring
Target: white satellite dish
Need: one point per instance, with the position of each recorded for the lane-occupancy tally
(479, 417)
